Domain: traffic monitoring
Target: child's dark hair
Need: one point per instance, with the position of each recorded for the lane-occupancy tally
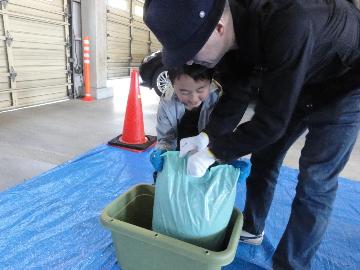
(196, 72)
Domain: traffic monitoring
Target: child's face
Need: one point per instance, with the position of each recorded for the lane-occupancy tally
(191, 93)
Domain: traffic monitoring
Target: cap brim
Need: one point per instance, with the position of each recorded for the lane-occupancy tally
(175, 57)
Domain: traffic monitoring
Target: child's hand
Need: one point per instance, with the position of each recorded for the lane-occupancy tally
(157, 161)
(244, 166)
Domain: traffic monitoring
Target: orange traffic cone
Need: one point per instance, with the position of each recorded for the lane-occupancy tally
(133, 137)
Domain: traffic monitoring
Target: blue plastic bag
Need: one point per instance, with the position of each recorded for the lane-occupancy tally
(195, 210)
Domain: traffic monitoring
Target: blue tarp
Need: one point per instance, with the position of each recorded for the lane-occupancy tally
(52, 221)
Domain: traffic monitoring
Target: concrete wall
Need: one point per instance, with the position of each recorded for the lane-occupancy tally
(93, 17)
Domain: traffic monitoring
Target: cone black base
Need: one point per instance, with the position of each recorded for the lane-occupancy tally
(133, 147)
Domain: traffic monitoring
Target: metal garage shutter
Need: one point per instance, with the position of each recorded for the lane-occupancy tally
(34, 52)
(128, 38)
(118, 39)
(140, 35)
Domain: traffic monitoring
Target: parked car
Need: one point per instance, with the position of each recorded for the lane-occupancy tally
(153, 73)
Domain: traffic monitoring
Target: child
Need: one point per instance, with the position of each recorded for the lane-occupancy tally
(184, 111)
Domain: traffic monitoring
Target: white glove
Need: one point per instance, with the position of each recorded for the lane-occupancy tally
(193, 144)
(198, 163)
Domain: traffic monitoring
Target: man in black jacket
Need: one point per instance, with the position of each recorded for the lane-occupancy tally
(304, 59)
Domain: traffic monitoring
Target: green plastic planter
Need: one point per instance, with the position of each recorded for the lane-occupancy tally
(129, 219)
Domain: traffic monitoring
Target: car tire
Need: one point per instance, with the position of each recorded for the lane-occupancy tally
(160, 81)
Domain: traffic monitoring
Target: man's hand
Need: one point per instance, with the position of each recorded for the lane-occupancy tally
(198, 163)
(193, 144)
(157, 161)
(244, 167)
